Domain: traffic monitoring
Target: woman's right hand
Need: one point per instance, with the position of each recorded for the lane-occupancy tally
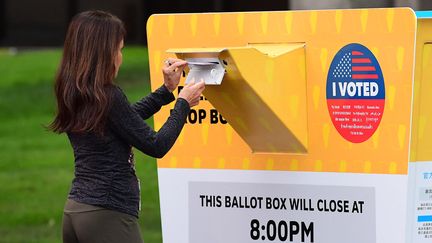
(192, 92)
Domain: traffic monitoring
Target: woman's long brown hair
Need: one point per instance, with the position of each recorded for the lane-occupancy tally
(86, 72)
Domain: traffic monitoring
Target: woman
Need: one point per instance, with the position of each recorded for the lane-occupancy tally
(102, 127)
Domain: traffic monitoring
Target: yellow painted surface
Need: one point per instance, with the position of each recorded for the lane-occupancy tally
(247, 91)
(250, 91)
(323, 33)
(422, 103)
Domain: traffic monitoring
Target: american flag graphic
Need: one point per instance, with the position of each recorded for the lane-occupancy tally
(355, 65)
(355, 93)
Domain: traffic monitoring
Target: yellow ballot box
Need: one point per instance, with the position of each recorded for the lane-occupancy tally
(314, 126)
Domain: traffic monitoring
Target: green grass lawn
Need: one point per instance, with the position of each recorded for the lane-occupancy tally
(36, 166)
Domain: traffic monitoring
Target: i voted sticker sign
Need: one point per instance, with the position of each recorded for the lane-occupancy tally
(355, 93)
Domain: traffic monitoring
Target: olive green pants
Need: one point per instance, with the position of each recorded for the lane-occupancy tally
(83, 223)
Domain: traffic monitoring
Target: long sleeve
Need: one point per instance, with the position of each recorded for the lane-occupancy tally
(125, 121)
(153, 102)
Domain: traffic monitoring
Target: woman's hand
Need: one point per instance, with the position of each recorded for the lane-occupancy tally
(192, 92)
(172, 72)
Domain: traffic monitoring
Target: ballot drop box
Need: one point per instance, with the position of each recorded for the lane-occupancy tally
(314, 126)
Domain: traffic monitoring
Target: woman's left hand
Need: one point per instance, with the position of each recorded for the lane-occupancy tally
(172, 72)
